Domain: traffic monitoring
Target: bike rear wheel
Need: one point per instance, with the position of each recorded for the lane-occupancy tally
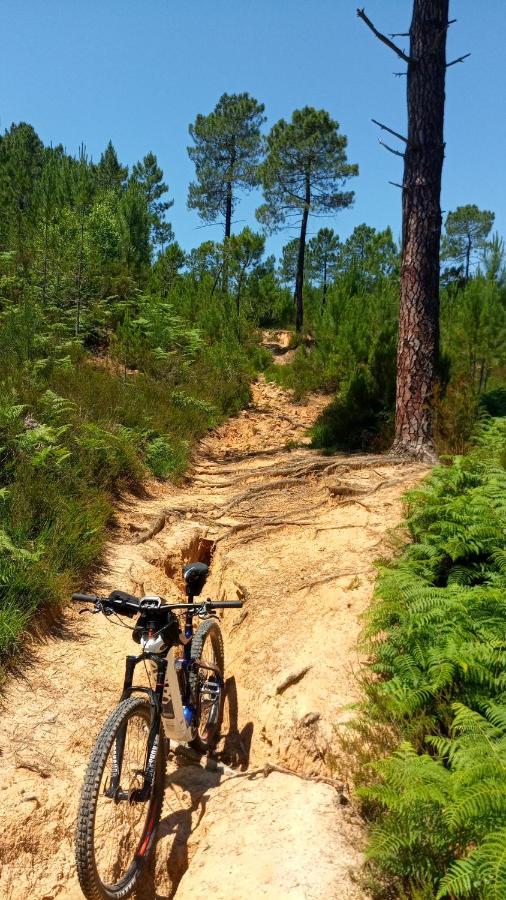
(207, 684)
(116, 835)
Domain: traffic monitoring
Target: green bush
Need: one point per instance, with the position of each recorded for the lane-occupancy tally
(361, 416)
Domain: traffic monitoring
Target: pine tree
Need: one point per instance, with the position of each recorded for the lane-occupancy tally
(418, 344)
(111, 175)
(226, 153)
(166, 269)
(288, 263)
(21, 163)
(149, 176)
(323, 256)
(135, 223)
(466, 235)
(227, 150)
(305, 168)
(246, 250)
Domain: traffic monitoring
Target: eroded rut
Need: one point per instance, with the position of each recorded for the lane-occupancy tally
(292, 533)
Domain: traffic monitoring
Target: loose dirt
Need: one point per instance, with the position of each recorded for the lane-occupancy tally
(294, 535)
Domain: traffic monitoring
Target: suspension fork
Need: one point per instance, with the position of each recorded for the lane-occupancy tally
(139, 794)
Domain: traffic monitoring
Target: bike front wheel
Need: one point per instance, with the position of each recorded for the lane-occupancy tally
(116, 824)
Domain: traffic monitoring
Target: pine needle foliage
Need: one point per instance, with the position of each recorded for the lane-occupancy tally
(437, 634)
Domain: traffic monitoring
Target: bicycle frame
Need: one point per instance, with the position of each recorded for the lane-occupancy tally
(167, 683)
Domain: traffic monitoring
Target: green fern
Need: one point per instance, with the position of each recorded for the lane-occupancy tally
(437, 635)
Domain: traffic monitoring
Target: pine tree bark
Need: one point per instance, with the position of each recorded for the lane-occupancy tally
(299, 279)
(468, 257)
(228, 222)
(418, 342)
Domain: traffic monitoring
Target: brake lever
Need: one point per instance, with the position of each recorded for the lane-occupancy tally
(205, 611)
(95, 610)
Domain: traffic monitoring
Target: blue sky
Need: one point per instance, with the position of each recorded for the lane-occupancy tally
(138, 73)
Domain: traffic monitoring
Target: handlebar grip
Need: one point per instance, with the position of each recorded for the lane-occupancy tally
(228, 604)
(84, 598)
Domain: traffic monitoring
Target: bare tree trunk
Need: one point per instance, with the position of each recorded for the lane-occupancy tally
(228, 223)
(299, 280)
(324, 299)
(80, 278)
(239, 292)
(468, 258)
(418, 342)
(44, 277)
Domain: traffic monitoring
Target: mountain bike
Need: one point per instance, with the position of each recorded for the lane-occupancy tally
(122, 794)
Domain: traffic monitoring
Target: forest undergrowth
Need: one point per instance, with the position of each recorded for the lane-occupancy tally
(76, 428)
(436, 689)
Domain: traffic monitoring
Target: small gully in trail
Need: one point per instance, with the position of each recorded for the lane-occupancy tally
(122, 795)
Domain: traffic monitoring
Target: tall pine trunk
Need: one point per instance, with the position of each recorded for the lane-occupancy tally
(418, 342)
(299, 279)
(228, 223)
(468, 257)
(324, 299)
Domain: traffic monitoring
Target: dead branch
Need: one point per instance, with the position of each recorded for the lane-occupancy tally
(390, 131)
(459, 60)
(383, 38)
(391, 149)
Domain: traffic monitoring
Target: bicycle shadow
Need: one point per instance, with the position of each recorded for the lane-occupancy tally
(188, 789)
(235, 747)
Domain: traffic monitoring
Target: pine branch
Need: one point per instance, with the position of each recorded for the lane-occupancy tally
(459, 60)
(383, 38)
(390, 131)
(391, 149)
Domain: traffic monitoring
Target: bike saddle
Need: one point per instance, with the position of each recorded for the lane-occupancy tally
(195, 575)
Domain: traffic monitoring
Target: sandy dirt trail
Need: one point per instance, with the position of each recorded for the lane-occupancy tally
(292, 533)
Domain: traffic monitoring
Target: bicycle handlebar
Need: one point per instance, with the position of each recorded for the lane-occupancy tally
(129, 608)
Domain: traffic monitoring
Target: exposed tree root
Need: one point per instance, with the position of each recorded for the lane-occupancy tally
(333, 577)
(292, 678)
(154, 530)
(269, 768)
